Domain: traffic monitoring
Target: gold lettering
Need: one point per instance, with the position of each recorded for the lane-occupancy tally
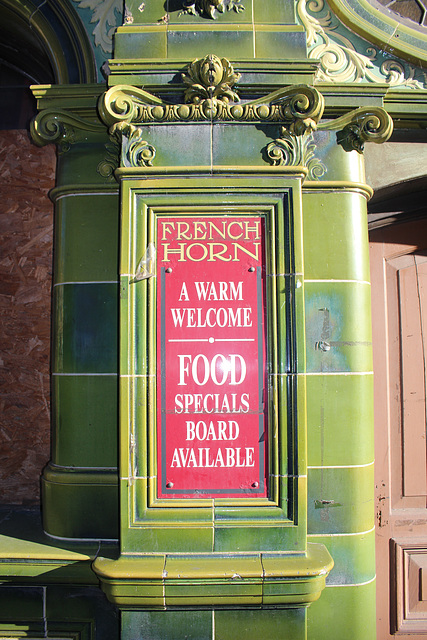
(245, 250)
(254, 229)
(213, 255)
(213, 226)
(197, 244)
(165, 229)
(181, 234)
(239, 224)
(167, 251)
(199, 227)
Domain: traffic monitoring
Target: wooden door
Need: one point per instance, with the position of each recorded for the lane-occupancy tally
(399, 312)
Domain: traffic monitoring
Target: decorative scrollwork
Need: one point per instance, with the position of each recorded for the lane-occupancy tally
(126, 104)
(107, 166)
(299, 107)
(360, 126)
(60, 127)
(290, 150)
(211, 8)
(135, 151)
(339, 59)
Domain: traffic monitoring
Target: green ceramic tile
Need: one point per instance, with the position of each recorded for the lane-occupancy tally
(233, 593)
(125, 366)
(129, 42)
(273, 12)
(288, 624)
(79, 508)
(85, 318)
(78, 607)
(142, 337)
(85, 421)
(170, 625)
(272, 43)
(354, 558)
(252, 538)
(340, 500)
(78, 166)
(179, 539)
(291, 343)
(231, 44)
(335, 236)
(184, 144)
(21, 606)
(142, 391)
(282, 410)
(344, 612)
(213, 581)
(338, 327)
(87, 238)
(227, 144)
(340, 419)
(376, 19)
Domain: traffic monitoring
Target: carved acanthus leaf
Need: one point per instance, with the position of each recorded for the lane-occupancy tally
(61, 127)
(110, 163)
(290, 150)
(135, 151)
(106, 15)
(367, 124)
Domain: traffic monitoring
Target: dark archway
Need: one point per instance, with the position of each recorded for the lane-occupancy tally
(40, 43)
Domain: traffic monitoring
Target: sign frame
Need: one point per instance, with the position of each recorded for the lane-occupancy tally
(206, 524)
(211, 435)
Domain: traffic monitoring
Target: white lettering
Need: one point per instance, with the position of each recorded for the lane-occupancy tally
(204, 457)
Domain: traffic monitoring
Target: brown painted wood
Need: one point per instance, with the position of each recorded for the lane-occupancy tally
(399, 305)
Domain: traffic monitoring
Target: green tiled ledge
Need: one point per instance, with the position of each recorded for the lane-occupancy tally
(28, 555)
(215, 580)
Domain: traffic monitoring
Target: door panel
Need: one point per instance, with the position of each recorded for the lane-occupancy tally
(399, 311)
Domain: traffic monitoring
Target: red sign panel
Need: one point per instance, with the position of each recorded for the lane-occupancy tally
(211, 357)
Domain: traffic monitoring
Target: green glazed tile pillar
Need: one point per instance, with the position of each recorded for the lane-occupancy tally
(79, 486)
(340, 392)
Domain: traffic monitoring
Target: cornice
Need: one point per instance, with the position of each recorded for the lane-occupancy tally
(392, 36)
